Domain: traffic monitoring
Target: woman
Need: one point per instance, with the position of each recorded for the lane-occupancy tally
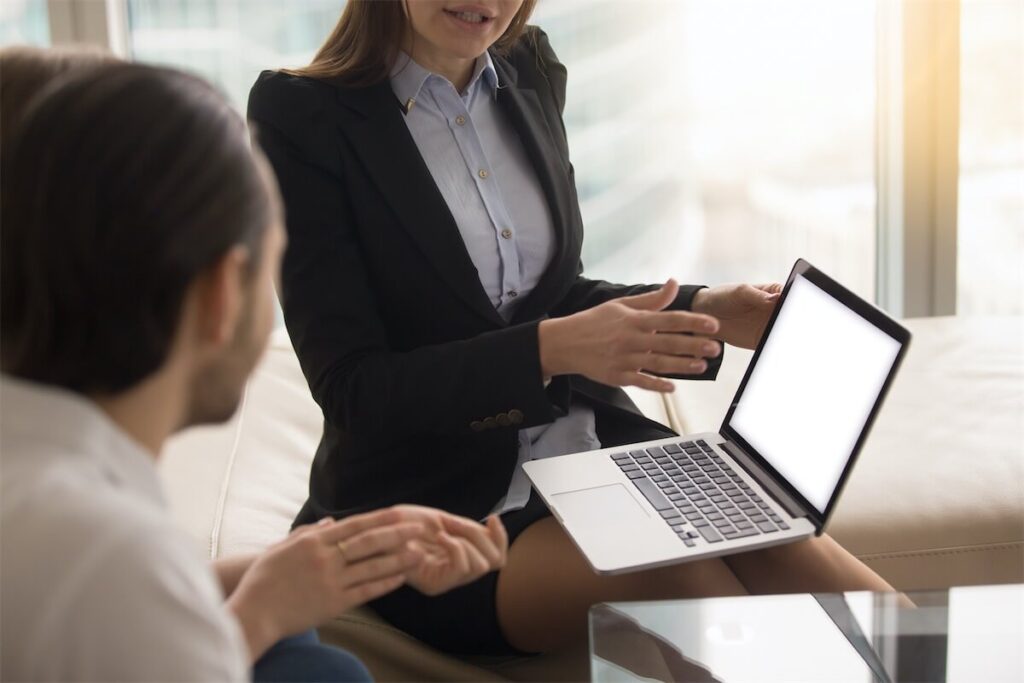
(160, 196)
(434, 292)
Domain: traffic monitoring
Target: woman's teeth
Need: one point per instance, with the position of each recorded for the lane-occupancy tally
(469, 17)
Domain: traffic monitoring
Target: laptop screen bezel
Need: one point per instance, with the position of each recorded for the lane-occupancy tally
(873, 315)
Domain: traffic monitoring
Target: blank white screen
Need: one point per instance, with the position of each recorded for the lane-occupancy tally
(810, 394)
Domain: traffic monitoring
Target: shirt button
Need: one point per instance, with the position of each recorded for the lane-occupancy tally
(483, 174)
(513, 294)
(506, 233)
(460, 120)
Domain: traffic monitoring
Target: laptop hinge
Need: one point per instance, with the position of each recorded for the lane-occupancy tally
(765, 480)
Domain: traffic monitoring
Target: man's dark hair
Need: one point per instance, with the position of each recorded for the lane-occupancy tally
(124, 184)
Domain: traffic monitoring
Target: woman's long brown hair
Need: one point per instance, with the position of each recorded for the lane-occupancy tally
(365, 43)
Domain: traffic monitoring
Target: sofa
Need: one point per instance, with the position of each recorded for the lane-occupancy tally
(936, 498)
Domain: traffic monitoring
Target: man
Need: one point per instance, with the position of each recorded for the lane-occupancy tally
(141, 238)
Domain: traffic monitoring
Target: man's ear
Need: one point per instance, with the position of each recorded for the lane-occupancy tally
(220, 297)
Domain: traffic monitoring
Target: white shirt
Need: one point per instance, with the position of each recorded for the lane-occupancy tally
(481, 169)
(97, 584)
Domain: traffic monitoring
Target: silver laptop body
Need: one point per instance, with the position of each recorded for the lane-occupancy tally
(773, 472)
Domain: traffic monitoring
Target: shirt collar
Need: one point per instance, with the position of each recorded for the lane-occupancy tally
(63, 424)
(408, 77)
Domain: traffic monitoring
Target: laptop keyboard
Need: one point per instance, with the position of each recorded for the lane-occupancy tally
(697, 493)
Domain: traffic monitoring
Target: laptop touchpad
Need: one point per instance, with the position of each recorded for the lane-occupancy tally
(601, 506)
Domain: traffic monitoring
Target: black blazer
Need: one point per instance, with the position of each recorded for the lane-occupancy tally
(423, 385)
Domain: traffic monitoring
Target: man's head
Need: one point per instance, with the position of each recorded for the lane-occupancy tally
(140, 234)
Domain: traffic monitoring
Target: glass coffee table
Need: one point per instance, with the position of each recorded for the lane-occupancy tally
(970, 634)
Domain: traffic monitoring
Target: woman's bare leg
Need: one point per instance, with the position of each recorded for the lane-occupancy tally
(817, 565)
(547, 587)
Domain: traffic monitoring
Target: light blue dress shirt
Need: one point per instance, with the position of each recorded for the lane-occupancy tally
(481, 169)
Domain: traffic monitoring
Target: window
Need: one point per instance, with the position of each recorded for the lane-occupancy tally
(24, 22)
(230, 41)
(991, 198)
(719, 141)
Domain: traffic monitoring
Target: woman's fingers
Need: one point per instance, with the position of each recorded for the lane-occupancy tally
(648, 382)
(679, 345)
(676, 321)
(666, 365)
(380, 540)
(653, 301)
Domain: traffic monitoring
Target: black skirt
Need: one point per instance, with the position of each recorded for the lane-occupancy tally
(465, 620)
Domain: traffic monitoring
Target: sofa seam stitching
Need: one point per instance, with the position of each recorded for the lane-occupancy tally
(945, 551)
(222, 500)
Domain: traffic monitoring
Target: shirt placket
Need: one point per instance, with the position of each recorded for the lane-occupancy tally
(460, 122)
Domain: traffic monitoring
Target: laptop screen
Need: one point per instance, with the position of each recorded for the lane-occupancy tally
(812, 389)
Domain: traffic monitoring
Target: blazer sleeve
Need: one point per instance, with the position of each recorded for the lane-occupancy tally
(585, 293)
(362, 385)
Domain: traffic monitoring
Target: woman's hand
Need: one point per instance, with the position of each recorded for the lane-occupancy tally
(458, 551)
(620, 342)
(742, 310)
(322, 570)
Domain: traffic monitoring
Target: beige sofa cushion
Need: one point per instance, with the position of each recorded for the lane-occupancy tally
(937, 496)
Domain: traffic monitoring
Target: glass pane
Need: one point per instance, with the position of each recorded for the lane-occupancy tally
(230, 41)
(719, 140)
(24, 22)
(990, 277)
(713, 140)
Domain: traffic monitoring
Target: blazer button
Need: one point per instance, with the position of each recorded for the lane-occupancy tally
(503, 419)
(490, 423)
(476, 426)
(516, 416)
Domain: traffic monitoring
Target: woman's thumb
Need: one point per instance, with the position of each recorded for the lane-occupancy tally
(653, 301)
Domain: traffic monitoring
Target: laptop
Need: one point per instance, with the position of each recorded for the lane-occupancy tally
(773, 472)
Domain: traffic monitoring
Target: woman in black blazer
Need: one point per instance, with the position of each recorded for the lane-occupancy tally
(423, 385)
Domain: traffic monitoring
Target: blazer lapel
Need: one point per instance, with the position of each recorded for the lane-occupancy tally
(523, 107)
(383, 143)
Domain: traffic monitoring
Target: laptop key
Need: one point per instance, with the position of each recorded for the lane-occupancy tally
(676, 496)
(715, 515)
(629, 468)
(672, 449)
(709, 534)
(766, 526)
(701, 523)
(719, 523)
(621, 457)
(783, 525)
(653, 494)
(746, 533)
(757, 519)
(737, 518)
(690, 543)
(666, 485)
(685, 507)
(729, 533)
(656, 452)
(744, 525)
(694, 516)
(719, 498)
(669, 514)
(636, 475)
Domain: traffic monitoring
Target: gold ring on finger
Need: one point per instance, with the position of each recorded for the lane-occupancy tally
(341, 549)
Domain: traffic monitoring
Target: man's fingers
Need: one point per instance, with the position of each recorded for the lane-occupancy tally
(475, 534)
(676, 321)
(379, 567)
(653, 301)
(500, 536)
(371, 590)
(380, 540)
(352, 526)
